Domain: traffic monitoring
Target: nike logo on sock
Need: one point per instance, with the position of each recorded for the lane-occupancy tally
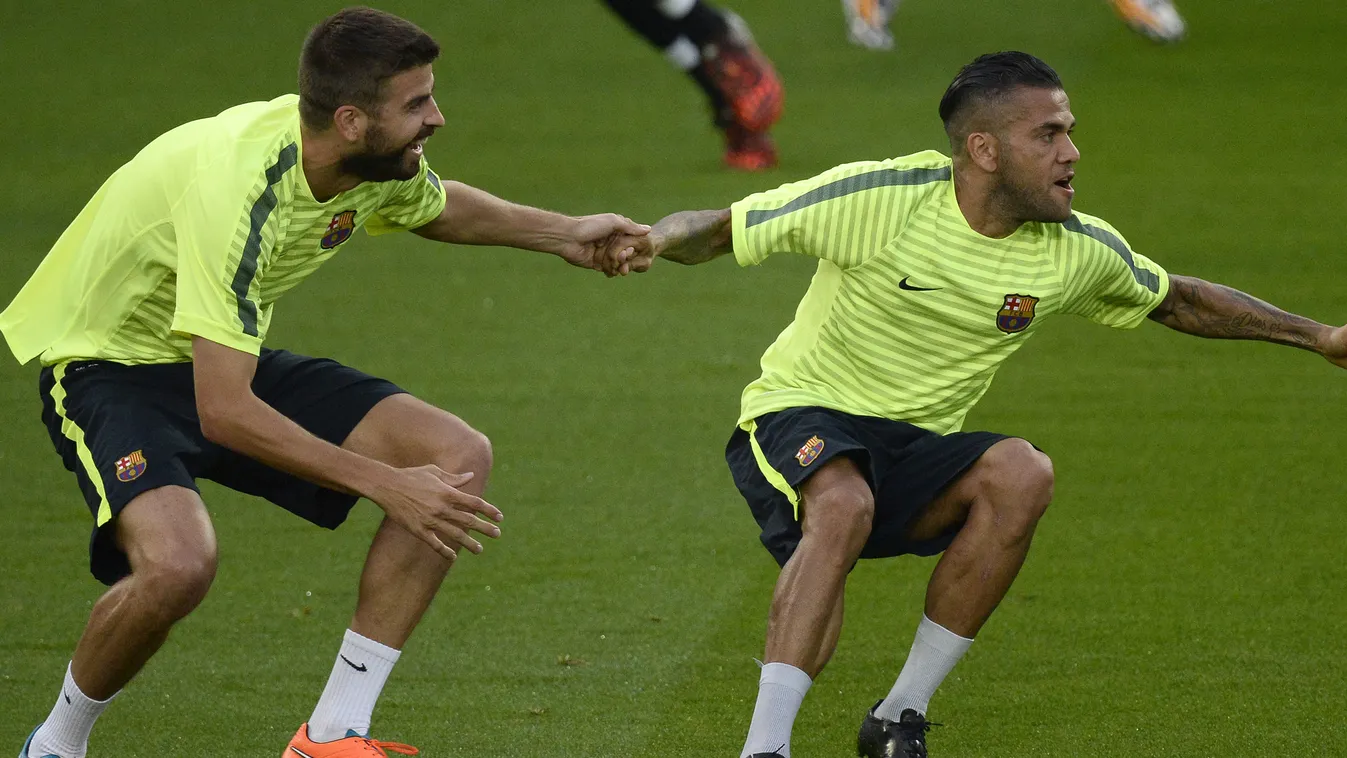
(67, 696)
(361, 668)
(904, 285)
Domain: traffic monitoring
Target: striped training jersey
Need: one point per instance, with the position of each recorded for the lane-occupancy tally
(198, 234)
(911, 311)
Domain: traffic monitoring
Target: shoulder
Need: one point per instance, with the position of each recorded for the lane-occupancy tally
(918, 169)
(1093, 233)
(918, 172)
(251, 141)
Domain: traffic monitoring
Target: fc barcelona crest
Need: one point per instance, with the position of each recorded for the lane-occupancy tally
(1016, 313)
(131, 467)
(809, 451)
(339, 230)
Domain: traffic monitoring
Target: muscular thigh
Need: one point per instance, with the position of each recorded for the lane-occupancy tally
(165, 526)
(949, 510)
(402, 430)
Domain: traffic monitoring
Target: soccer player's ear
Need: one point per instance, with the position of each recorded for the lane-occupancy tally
(349, 122)
(984, 150)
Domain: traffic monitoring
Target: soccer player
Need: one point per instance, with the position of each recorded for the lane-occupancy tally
(932, 272)
(149, 315)
(714, 47)
(868, 20)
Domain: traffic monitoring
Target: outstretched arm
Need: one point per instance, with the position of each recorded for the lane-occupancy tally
(474, 217)
(689, 238)
(1204, 309)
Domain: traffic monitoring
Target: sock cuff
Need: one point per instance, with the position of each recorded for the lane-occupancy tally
(73, 688)
(785, 675)
(941, 638)
(369, 646)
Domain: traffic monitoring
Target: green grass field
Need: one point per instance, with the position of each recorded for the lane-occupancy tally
(1185, 596)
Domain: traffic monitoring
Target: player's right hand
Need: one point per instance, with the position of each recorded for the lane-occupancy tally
(426, 501)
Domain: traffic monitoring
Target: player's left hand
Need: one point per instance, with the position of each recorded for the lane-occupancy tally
(1335, 347)
(604, 242)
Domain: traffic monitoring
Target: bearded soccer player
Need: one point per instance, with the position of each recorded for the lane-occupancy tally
(149, 316)
(932, 272)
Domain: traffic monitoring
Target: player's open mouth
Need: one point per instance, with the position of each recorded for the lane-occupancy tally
(417, 147)
(1065, 183)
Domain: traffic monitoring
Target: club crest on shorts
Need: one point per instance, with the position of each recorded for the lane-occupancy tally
(131, 467)
(339, 229)
(809, 451)
(1016, 313)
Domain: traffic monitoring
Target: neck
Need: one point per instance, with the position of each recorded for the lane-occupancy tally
(982, 206)
(322, 164)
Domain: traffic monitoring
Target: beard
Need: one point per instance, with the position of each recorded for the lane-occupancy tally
(383, 161)
(1029, 201)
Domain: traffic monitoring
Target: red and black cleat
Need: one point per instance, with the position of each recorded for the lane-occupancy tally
(747, 150)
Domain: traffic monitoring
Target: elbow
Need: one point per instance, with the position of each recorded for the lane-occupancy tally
(217, 423)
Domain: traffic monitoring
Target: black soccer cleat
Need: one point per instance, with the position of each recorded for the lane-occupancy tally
(904, 738)
(766, 755)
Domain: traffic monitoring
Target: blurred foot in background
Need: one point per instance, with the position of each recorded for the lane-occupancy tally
(868, 22)
(1157, 19)
(714, 47)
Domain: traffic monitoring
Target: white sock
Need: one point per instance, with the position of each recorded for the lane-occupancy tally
(934, 653)
(358, 676)
(683, 53)
(781, 690)
(675, 9)
(66, 730)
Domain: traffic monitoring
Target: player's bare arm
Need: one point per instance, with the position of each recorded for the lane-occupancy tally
(1201, 308)
(689, 238)
(474, 217)
(424, 500)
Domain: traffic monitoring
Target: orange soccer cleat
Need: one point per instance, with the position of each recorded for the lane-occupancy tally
(744, 77)
(353, 746)
(747, 150)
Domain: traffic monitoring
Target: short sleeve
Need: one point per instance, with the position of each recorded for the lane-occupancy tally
(1105, 281)
(225, 226)
(844, 215)
(413, 203)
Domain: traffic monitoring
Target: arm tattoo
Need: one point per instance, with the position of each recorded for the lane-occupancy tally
(693, 237)
(1201, 308)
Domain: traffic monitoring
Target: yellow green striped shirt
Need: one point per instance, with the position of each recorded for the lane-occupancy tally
(199, 234)
(911, 311)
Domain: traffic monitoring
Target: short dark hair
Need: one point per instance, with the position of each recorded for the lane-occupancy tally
(348, 57)
(991, 77)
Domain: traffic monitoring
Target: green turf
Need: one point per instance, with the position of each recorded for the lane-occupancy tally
(1183, 598)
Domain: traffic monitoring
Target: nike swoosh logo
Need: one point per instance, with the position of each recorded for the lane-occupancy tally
(361, 668)
(67, 697)
(904, 285)
(300, 753)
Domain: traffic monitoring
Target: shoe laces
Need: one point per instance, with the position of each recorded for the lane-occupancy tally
(915, 730)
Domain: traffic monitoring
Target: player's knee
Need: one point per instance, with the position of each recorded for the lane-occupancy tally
(468, 451)
(841, 517)
(1020, 483)
(173, 586)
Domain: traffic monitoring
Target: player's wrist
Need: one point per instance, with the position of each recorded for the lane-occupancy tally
(372, 479)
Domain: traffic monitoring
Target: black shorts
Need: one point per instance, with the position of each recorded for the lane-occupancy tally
(124, 430)
(906, 466)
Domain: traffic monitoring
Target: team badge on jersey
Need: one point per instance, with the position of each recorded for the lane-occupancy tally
(339, 230)
(1016, 313)
(809, 451)
(131, 467)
